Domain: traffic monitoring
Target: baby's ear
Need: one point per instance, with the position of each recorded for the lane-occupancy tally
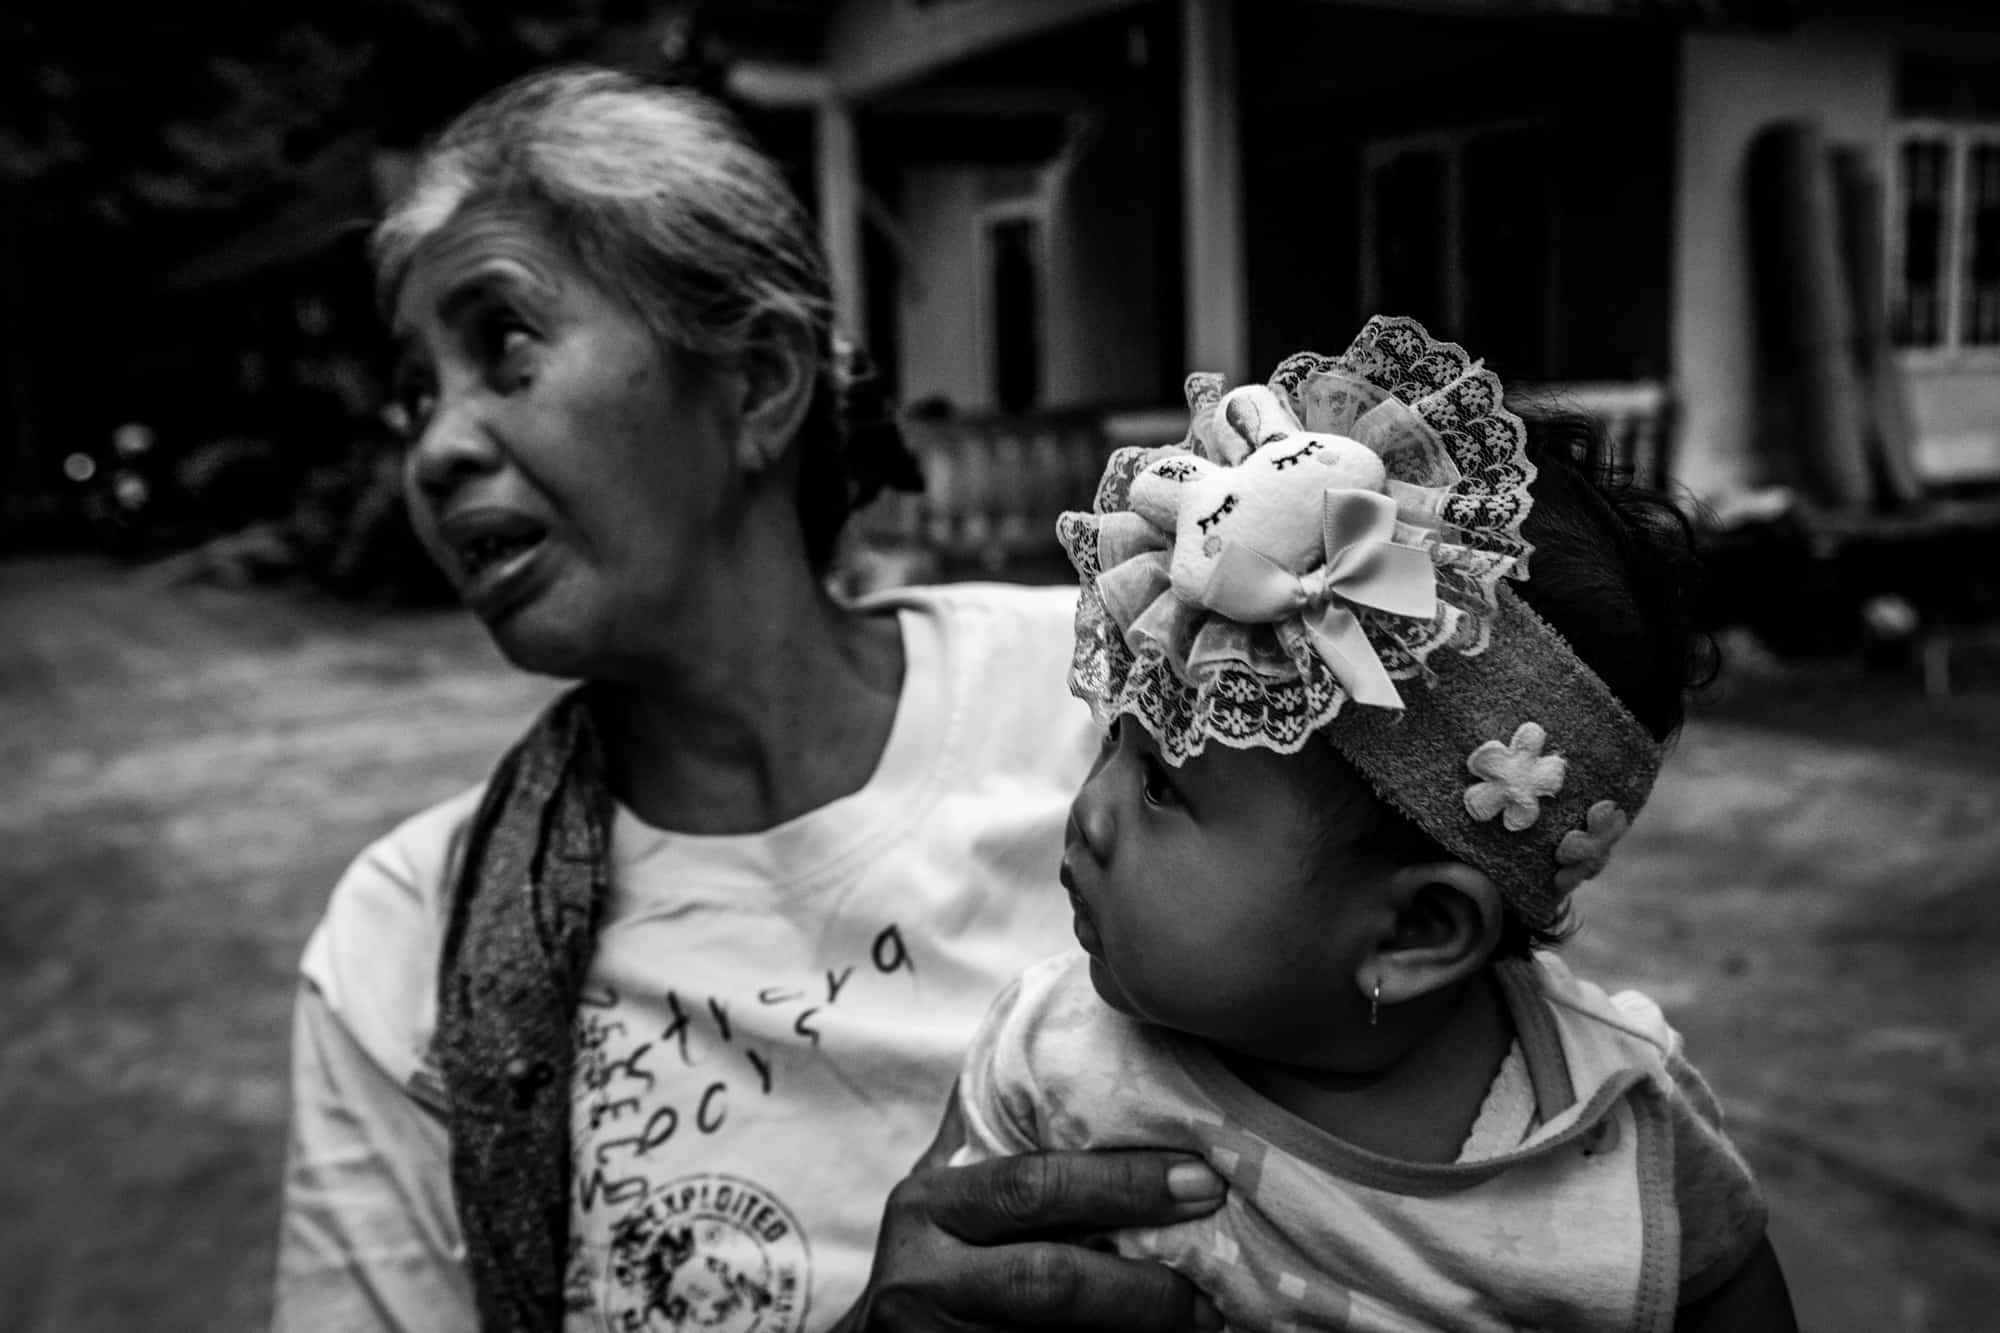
(1446, 924)
(1158, 492)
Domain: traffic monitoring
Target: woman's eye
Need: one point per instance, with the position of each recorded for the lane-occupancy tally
(1155, 786)
(510, 349)
(411, 408)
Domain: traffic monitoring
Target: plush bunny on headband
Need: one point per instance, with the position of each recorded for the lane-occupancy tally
(1273, 523)
(1266, 492)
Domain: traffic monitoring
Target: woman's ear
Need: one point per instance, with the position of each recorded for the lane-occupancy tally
(779, 369)
(1445, 922)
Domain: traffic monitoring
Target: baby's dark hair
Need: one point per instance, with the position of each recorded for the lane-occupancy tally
(1615, 572)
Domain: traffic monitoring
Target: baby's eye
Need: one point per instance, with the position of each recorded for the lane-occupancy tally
(1155, 785)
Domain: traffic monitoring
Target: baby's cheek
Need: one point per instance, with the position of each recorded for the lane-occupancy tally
(1183, 982)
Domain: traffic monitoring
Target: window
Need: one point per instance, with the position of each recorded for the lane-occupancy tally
(1455, 229)
(1944, 208)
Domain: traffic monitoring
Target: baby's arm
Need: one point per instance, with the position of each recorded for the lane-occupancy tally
(1730, 1276)
(1754, 1298)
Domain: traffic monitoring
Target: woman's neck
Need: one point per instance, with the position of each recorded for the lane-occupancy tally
(785, 705)
(1418, 1103)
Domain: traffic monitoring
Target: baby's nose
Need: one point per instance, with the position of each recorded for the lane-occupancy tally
(1090, 821)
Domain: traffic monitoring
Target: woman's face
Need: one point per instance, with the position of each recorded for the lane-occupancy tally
(566, 471)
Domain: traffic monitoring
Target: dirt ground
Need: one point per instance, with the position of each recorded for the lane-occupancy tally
(1814, 896)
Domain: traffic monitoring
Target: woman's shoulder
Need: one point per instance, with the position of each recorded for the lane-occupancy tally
(1005, 655)
(373, 956)
(410, 865)
(1047, 609)
(1013, 634)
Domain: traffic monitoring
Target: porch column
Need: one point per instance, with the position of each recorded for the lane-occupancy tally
(838, 160)
(1213, 287)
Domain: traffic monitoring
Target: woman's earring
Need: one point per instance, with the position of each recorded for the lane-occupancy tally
(1375, 1004)
(762, 455)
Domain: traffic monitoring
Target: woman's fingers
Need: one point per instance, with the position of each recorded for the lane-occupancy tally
(1051, 1193)
(1050, 1285)
(996, 1246)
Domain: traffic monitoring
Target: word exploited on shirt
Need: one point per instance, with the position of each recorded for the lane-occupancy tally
(617, 1077)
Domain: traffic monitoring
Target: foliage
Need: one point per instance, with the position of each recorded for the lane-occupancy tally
(208, 107)
(175, 184)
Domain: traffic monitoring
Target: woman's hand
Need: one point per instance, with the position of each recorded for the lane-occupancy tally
(1004, 1244)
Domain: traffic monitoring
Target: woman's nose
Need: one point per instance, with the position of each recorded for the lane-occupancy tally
(453, 446)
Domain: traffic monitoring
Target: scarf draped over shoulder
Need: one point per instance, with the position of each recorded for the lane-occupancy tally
(518, 941)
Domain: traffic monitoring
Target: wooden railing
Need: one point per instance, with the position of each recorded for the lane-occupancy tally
(1635, 415)
(994, 485)
(992, 489)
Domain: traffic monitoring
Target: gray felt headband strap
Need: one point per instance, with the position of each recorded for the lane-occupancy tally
(1519, 761)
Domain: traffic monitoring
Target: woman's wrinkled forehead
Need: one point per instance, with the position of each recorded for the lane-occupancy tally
(477, 246)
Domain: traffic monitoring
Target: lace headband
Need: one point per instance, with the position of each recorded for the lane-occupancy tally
(1345, 534)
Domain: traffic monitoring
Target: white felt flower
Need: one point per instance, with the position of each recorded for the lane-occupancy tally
(1584, 851)
(1517, 776)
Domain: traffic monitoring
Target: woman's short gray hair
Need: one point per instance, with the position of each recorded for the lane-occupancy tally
(665, 204)
(658, 192)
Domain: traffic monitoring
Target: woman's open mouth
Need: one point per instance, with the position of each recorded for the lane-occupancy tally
(486, 553)
(495, 552)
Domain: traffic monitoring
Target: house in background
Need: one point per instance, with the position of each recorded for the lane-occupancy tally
(1042, 213)
(1043, 209)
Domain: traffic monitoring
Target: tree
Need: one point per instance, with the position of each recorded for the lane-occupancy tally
(131, 142)
(153, 120)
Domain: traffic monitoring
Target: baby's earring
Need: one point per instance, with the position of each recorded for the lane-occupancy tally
(1375, 1004)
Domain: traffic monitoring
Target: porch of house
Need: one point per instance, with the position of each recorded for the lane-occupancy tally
(1043, 226)
(994, 483)
(1041, 232)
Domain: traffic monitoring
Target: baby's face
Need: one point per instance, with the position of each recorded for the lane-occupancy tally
(1206, 895)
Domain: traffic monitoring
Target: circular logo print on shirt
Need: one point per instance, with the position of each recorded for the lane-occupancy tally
(709, 1252)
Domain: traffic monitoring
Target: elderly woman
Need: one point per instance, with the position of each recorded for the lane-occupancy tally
(645, 1032)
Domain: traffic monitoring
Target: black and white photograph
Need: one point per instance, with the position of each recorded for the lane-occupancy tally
(960, 666)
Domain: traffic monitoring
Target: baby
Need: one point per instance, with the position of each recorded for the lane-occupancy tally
(1349, 778)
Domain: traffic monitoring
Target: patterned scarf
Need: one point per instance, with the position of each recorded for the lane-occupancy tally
(517, 947)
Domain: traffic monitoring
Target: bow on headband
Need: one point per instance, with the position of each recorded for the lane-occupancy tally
(1363, 568)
